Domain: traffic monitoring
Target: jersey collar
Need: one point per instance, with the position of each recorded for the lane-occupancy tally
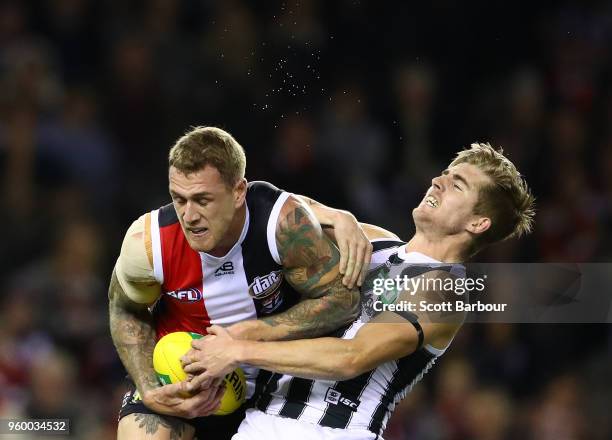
(243, 233)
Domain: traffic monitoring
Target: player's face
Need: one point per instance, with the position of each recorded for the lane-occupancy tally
(205, 207)
(448, 206)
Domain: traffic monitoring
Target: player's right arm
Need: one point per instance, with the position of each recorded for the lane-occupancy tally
(352, 237)
(133, 289)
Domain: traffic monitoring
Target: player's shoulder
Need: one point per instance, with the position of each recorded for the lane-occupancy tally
(136, 250)
(268, 203)
(140, 229)
(262, 186)
(259, 192)
(134, 267)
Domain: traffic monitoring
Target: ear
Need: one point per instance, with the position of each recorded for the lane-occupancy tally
(240, 192)
(478, 225)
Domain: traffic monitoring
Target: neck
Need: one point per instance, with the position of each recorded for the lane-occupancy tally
(447, 249)
(233, 233)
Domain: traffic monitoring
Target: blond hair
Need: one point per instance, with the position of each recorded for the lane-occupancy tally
(507, 201)
(203, 146)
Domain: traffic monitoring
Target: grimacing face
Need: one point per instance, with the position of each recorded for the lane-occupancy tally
(205, 206)
(448, 206)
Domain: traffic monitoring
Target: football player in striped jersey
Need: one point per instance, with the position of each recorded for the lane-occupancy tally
(347, 386)
(247, 256)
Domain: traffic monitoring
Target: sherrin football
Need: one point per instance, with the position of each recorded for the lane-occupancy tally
(167, 364)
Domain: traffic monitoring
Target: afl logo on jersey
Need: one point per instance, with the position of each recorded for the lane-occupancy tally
(265, 290)
(187, 295)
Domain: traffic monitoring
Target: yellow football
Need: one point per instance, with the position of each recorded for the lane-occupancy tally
(167, 364)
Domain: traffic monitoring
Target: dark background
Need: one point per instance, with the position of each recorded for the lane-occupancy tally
(357, 104)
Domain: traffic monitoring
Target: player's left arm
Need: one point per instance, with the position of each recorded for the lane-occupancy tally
(341, 359)
(311, 265)
(386, 337)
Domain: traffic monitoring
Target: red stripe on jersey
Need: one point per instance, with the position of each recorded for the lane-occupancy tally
(181, 306)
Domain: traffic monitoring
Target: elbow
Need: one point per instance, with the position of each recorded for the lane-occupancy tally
(349, 371)
(351, 367)
(352, 363)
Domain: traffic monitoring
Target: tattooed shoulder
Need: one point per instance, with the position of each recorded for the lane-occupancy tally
(307, 254)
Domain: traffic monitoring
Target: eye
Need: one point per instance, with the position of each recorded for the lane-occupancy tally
(178, 200)
(458, 187)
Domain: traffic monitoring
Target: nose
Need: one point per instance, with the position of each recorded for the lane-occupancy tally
(191, 214)
(437, 183)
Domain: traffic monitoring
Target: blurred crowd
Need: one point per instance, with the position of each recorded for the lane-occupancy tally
(357, 104)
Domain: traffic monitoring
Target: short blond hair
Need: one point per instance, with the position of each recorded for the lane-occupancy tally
(507, 201)
(203, 146)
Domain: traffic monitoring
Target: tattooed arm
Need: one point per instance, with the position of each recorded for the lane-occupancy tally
(311, 265)
(133, 288)
(386, 337)
(352, 237)
(131, 326)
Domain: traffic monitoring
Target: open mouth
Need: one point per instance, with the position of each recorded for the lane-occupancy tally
(432, 202)
(198, 232)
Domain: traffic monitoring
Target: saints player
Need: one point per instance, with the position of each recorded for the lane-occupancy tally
(201, 261)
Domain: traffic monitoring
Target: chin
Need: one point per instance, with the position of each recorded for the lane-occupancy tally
(201, 246)
(419, 214)
(424, 220)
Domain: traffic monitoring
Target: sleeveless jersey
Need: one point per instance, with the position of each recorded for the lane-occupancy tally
(199, 290)
(366, 401)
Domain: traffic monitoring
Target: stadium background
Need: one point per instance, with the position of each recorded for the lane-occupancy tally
(354, 103)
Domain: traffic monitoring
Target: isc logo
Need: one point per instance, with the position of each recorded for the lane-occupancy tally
(335, 397)
(188, 295)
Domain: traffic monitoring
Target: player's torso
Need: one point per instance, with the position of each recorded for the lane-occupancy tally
(199, 290)
(366, 401)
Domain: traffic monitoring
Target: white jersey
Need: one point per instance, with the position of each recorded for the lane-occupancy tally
(365, 402)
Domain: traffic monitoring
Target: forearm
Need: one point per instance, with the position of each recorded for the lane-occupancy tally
(309, 318)
(331, 358)
(325, 215)
(374, 232)
(328, 216)
(133, 334)
(321, 358)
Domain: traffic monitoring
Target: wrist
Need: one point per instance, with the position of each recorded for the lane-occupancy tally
(340, 216)
(240, 351)
(243, 330)
(148, 397)
(333, 216)
(148, 386)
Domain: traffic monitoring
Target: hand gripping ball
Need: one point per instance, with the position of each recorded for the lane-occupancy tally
(166, 362)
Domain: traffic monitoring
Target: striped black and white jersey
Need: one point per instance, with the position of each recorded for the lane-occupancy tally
(366, 401)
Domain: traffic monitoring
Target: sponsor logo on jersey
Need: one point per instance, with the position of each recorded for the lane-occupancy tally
(226, 268)
(335, 398)
(187, 295)
(266, 291)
